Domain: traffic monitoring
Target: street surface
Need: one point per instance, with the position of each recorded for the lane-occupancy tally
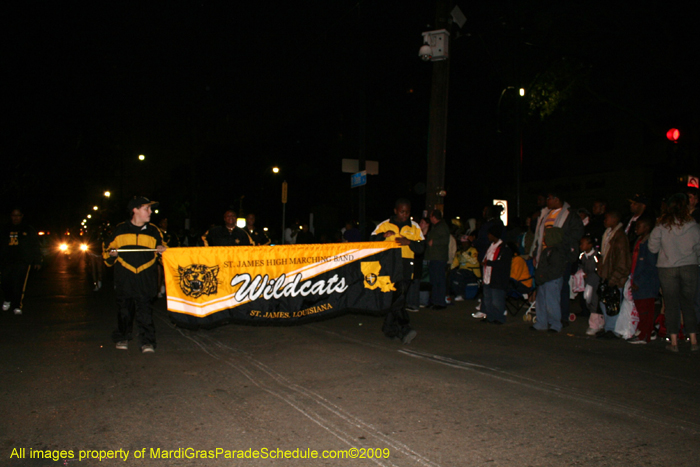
(464, 393)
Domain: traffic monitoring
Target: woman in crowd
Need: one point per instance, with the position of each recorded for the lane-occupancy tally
(676, 238)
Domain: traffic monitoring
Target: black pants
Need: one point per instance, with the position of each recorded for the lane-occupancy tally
(135, 307)
(396, 323)
(14, 282)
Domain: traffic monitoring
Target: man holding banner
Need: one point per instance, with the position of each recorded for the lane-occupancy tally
(132, 249)
(401, 229)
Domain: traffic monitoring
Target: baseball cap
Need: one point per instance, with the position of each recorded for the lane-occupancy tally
(638, 198)
(138, 201)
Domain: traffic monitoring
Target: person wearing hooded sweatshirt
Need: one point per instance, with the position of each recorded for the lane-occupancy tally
(558, 213)
(549, 277)
(615, 264)
(676, 238)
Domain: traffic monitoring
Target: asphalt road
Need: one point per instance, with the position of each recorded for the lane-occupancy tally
(463, 393)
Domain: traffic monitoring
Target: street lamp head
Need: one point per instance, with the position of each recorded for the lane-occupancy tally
(107, 194)
(142, 157)
(95, 208)
(276, 170)
(522, 92)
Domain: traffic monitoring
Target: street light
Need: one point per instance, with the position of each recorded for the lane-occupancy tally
(276, 170)
(142, 157)
(95, 208)
(107, 194)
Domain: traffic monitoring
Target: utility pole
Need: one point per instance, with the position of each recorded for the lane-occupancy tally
(437, 127)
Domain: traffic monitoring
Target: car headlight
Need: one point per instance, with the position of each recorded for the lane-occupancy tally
(83, 247)
(63, 247)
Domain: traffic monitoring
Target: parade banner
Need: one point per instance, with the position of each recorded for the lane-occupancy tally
(279, 284)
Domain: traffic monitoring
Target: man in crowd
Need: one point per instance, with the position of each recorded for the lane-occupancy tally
(135, 273)
(638, 208)
(595, 226)
(258, 236)
(19, 252)
(559, 214)
(228, 234)
(436, 253)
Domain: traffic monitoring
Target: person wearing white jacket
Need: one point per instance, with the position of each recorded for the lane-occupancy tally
(676, 238)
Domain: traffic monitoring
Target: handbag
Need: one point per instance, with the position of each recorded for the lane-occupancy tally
(610, 297)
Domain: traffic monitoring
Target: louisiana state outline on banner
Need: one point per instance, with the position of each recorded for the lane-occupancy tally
(280, 284)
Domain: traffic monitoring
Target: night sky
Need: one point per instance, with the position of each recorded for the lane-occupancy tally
(217, 93)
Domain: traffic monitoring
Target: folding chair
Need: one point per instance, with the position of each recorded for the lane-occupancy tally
(517, 297)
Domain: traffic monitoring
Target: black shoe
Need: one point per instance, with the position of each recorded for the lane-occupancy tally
(497, 322)
(553, 331)
(608, 335)
(438, 307)
(564, 324)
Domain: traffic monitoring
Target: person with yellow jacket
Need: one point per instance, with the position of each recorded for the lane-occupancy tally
(132, 249)
(401, 229)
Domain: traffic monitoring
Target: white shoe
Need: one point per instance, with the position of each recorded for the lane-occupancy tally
(592, 332)
(459, 298)
(18, 311)
(147, 348)
(478, 315)
(123, 345)
(478, 307)
(6, 306)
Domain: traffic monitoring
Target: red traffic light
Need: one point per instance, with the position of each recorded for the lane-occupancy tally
(673, 134)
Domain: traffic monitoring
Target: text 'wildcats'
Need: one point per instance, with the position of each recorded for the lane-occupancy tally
(252, 289)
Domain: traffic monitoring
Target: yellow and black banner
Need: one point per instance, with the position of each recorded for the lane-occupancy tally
(280, 284)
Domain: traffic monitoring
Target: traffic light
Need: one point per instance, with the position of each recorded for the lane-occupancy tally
(673, 134)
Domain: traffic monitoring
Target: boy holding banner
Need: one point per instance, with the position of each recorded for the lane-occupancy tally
(132, 250)
(401, 229)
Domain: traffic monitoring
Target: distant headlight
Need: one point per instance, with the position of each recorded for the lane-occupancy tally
(83, 247)
(63, 247)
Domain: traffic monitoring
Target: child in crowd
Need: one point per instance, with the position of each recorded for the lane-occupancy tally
(645, 280)
(465, 268)
(588, 263)
(520, 272)
(549, 277)
(615, 265)
(496, 276)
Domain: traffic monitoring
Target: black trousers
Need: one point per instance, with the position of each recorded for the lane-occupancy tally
(139, 308)
(14, 283)
(396, 322)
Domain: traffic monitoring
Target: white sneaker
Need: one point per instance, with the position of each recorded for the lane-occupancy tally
(6, 306)
(18, 311)
(592, 332)
(459, 298)
(478, 315)
(123, 345)
(409, 337)
(147, 348)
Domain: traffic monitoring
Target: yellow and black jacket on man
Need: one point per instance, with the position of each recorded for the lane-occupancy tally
(20, 244)
(409, 230)
(221, 236)
(258, 236)
(134, 273)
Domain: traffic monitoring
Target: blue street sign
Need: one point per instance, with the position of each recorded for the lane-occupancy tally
(358, 179)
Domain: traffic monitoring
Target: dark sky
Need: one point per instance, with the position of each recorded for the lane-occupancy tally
(216, 93)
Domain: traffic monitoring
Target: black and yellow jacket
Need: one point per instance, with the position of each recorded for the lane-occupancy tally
(134, 272)
(409, 230)
(20, 244)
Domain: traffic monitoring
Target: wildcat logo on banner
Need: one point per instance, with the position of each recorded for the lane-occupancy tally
(281, 284)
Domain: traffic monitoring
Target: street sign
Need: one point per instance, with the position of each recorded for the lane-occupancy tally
(358, 179)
